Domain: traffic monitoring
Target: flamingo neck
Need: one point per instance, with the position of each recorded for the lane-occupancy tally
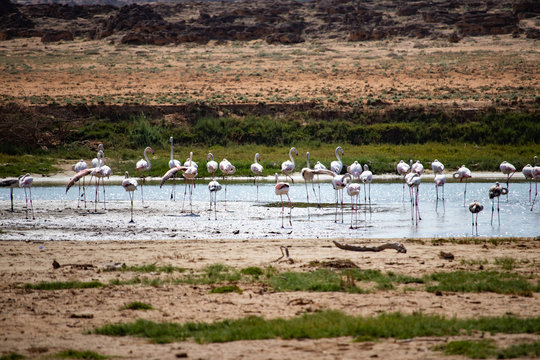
(290, 155)
(147, 160)
(256, 156)
(337, 154)
(172, 154)
(307, 160)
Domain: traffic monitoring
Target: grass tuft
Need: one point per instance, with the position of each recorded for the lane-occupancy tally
(75, 354)
(137, 305)
(483, 349)
(226, 289)
(12, 356)
(59, 285)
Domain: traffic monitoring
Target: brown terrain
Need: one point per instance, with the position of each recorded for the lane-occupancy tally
(72, 62)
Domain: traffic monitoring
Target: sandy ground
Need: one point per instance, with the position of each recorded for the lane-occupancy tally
(35, 323)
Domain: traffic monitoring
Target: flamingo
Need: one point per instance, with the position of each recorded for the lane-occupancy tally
(11, 183)
(495, 192)
(105, 173)
(338, 183)
(536, 174)
(417, 167)
(256, 169)
(282, 188)
(366, 177)
(437, 167)
(319, 166)
(528, 173)
(509, 170)
(211, 165)
(173, 163)
(353, 190)
(287, 167)
(79, 166)
(189, 174)
(440, 180)
(463, 173)
(95, 161)
(336, 166)
(25, 182)
(96, 172)
(475, 207)
(402, 169)
(144, 165)
(414, 180)
(213, 187)
(130, 185)
(308, 175)
(355, 169)
(227, 169)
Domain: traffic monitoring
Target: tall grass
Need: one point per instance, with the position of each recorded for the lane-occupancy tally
(484, 349)
(325, 324)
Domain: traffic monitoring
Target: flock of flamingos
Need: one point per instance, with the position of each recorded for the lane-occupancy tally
(355, 175)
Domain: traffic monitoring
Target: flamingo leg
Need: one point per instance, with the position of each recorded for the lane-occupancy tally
(103, 186)
(443, 192)
(498, 210)
(417, 208)
(257, 184)
(403, 192)
(226, 183)
(412, 204)
(342, 206)
(307, 194)
(369, 195)
(290, 209)
(319, 185)
(79, 198)
(337, 201)
(476, 224)
(96, 195)
(131, 198)
(84, 191)
(465, 193)
(26, 198)
(536, 192)
(185, 192)
(11, 197)
(215, 206)
(142, 194)
(191, 196)
(282, 210)
(31, 205)
(492, 210)
(352, 209)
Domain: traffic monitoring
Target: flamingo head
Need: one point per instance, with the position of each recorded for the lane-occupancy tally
(209, 157)
(127, 174)
(148, 148)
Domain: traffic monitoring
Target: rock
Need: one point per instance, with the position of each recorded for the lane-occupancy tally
(55, 36)
(481, 23)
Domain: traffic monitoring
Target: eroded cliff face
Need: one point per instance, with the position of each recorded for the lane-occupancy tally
(283, 22)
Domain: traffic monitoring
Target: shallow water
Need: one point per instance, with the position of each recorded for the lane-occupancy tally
(388, 216)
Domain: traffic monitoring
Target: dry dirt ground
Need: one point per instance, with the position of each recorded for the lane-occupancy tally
(475, 72)
(38, 322)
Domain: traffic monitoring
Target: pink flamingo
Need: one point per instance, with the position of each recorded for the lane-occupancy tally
(495, 192)
(211, 165)
(213, 187)
(475, 207)
(25, 182)
(337, 165)
(509, 170)
(536, 174)
(463, 173)
(338, 183)
(257, 170)
(417, 167)
(130, 185)
(367, 177)
(80, 166)
(403, 169)
(282, 188)
(353, 190)
(227, 169)
(440, 180)
(173, 163)
(414, 180)
(142, 166)
(355, 169)
(287, 167)
(189, 174)
(319, 166)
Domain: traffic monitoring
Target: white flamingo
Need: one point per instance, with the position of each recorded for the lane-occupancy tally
(338, 183)
(80, 166)
(319, 166)
(211, 165)
(282, 188)
(105, 173)
(308, 175)
(366, 177)
(130, 185)
(337, 165)
(355, 169)
(528, 174)
(287, 167)
(495, 192)
(25, 182)
(142, 166)
(414, 180)
(96, 172)
(509, 170)
(417, 167)
(190, 174)
(96, 161)
(173, 163)
(11, 183)
(257, 170)
(437, 167)
(213, 187)
(353, 190)
(463, 173)
(227, 169)
(536, 174)
(475, 207)
(403, 169)
(440, 180)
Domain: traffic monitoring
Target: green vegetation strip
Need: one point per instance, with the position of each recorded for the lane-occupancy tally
(137, 305)
(325, 324)
(487, 349)
(322, 280)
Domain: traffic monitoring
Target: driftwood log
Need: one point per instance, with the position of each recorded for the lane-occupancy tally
(396, 246)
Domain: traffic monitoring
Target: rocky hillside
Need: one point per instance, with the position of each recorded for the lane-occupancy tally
(274, 22)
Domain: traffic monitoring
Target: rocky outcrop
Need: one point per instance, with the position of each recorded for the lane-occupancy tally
(482, 23)
(55, 36)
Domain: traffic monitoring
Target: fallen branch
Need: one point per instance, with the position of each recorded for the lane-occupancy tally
(396, 246)
(56, 265)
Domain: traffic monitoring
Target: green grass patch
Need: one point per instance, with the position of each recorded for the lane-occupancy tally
(62, 285)
(12, 356)
(137, 305)
(506, 263)
(325, 324)
(482, 281)
(169, 269)
(226, 289)
(76, 354)
(483, 349)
